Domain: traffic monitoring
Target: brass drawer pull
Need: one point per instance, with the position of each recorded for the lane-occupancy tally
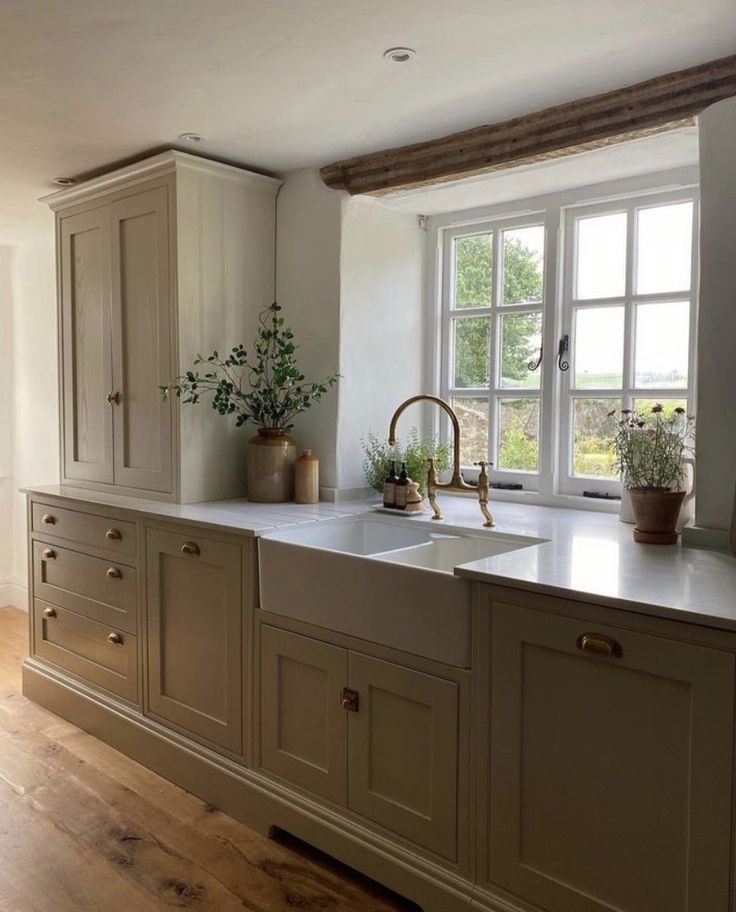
(48, 520)
(48, 554)
(350, 700)
(113, 535)
(189, 548)
(599, 644)
(49, 612)
(113, 398)
(115, 639)
(113, 573)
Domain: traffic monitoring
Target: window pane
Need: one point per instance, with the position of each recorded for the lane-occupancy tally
(662, 335)
(473, 270)
(601, 256)
(473, 417)
(523, 265)
(599, 347)
(518, 434)
(664, 248)
(521, 336)
(592, 432)
(472, 353)
(669, 405)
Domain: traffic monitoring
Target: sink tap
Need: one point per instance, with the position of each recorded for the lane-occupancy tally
(457, 482)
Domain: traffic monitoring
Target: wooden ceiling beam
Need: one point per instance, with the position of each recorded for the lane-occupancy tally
(637, 110)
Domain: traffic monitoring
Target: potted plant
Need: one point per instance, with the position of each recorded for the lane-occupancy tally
(650, 449)
(416, 453)
(267, 389)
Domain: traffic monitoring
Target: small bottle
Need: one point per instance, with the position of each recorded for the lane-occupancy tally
(389, 488)
(402, 487)
(306, 479)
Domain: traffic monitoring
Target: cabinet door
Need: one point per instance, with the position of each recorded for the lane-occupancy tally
(195, 635)
(141, 339)
(610, 773)
(403, 749)
(304, 729)
(85, 345)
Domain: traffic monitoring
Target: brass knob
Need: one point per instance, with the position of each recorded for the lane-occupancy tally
(115, 639)
(49, 612)
(113, 398)
(48, 554)
(113, 573)
(350, 699)
(599, 644)
(113, 535)
(48, 520)
(190, 548)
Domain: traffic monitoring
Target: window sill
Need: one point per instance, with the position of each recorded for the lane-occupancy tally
(534, 498)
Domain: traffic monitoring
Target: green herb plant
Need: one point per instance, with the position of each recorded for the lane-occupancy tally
(266, 388)
(414, 452)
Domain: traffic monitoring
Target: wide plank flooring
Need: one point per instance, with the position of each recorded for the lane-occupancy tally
(85, 829)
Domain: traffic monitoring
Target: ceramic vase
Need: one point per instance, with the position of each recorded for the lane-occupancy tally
(270, 462)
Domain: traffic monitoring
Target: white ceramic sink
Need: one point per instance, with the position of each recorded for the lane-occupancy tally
(387, 581)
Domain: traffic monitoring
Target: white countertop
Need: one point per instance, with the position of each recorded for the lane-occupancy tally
(586, 555)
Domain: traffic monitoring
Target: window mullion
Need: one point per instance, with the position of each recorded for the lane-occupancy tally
(629, 313)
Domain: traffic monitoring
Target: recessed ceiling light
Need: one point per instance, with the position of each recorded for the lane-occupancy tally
(64, 181)
(400, 54)
(192, 137)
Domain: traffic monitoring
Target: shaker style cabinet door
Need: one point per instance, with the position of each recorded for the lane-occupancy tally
(195, 642)
(141, 339)
(611, 767)
(84, 251)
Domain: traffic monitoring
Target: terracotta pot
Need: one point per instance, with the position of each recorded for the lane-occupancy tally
(270, 462)
(656, 514)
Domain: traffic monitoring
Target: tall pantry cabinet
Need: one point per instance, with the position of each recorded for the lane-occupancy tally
(157, 262)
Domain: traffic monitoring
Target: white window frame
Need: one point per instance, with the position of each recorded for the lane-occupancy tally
(553, 485)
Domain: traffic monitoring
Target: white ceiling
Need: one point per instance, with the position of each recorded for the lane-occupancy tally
(281, 84)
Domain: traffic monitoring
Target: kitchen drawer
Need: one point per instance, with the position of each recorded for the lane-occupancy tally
(103, 590)
(114, 535)
(98, 653)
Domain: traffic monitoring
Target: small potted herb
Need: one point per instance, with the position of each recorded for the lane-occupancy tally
(267, 389)
(415, 452)
(650, 449)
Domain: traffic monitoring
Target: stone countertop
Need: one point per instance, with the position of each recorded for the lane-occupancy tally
(585, 555)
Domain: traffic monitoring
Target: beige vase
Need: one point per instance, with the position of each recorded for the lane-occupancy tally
(270, 462)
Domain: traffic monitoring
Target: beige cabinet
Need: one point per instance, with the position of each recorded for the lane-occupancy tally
(157, 262)
(378, 737)
(610, 775)
(195, 635)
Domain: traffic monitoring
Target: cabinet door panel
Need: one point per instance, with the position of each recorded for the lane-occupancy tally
(610, 775)
(403, 749)
(304, 729)
(86, 356)
(141, 339)
(195, 635)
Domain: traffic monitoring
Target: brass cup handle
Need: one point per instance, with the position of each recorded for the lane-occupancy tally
(113, 535)
(48, 520)
(115, 639)
(49, 612)
(113, 573)
(599, 644)
(48, 554)
(113, 398)
(189, 548)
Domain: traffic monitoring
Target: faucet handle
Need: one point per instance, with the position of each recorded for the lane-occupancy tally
(483, 474)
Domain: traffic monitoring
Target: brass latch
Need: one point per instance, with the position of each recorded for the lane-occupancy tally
(350, 700)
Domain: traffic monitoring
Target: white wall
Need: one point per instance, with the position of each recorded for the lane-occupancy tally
(716, 409)
(35, 386)
(309, 219)
(6, 425)
(381, 326)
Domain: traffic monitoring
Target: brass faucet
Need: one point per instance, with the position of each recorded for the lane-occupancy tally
(457, 482)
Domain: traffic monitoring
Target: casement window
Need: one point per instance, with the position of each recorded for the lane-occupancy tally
(554, 317)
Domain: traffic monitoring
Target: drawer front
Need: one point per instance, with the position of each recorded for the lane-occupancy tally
(103, 590)
(114, 535)
(100, 654)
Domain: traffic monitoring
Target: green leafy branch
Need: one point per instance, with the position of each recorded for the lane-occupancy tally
(266, 388)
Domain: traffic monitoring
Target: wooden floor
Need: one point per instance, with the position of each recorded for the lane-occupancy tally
(82, 828)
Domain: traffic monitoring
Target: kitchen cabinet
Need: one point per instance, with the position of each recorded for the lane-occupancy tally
(195, 635)
(156, 263)
(373, 735)
(609, 781)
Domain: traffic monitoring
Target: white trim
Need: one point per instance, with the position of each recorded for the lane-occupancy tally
(13, 594)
